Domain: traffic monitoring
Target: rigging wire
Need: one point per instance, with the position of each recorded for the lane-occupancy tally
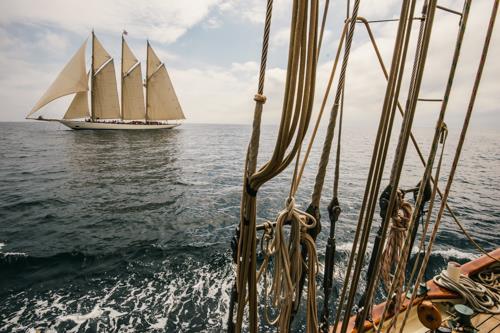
(417, 75)
(458, 150)
(385, 121)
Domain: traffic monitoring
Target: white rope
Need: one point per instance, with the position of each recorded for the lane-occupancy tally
(478, 296)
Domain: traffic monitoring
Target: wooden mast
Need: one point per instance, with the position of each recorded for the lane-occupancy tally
(92, 115)
(121, 78)
(147, 81)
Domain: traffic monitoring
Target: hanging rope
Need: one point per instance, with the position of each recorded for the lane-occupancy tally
(444, 106)
(458, 151)
(245, 232)
(378, 156)
(443, 136)
(288, 261)
(325, 154)
(415, 83)
(296, 113)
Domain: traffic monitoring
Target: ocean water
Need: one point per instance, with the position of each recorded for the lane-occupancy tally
(130, 231)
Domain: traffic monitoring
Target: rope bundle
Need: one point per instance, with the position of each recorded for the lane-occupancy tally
(392, 254)
(490, 278)
(478, 296)
(288, 258)
(288, 264)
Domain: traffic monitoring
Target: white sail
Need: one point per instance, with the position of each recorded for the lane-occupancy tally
(105, 93)
(162, 102)
(79, 107)
(101, 56)
(132, 90)
(153, 61)
(133, 95)
(129, 59)
(72, 79)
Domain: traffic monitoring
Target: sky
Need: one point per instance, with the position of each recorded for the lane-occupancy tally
(211, 49)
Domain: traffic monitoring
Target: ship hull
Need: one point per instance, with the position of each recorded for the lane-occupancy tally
(87, 125)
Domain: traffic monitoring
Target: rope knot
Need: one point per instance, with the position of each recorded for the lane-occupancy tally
(259, 98)
(397, 232)
(290, 206)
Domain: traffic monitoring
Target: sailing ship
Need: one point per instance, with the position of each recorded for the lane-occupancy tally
(277, 261)
(156, 110)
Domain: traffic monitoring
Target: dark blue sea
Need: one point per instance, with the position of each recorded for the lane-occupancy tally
(129, 231)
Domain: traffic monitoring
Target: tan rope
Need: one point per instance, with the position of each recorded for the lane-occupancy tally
(490, 277)
(477, 295)
(287, 257)
(297, 108)
(381, 143)
(288, 264)
(459, 147)
(327, 145)
(393, 252)
(246, 245)
(444, 135)
(417, 74)
(397, 233)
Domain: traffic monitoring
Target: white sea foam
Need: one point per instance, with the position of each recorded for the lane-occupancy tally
(14, 254)
(10, 254)
(194, 299)
(455, 253)
(190, 296)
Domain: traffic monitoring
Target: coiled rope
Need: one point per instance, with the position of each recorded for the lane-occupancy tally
(397, 233)
(478, 296)
(490, 277)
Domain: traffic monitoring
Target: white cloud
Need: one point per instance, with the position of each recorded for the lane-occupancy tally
(159, 20)
(213, 23)
(281, 37)
(52, 42)
(224, 93)
(254, 11)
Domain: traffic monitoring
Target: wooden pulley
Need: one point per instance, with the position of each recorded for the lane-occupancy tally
(429, 315)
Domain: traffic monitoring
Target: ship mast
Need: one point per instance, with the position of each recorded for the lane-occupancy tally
(92, 115)
(147, 80)
(121, 76)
